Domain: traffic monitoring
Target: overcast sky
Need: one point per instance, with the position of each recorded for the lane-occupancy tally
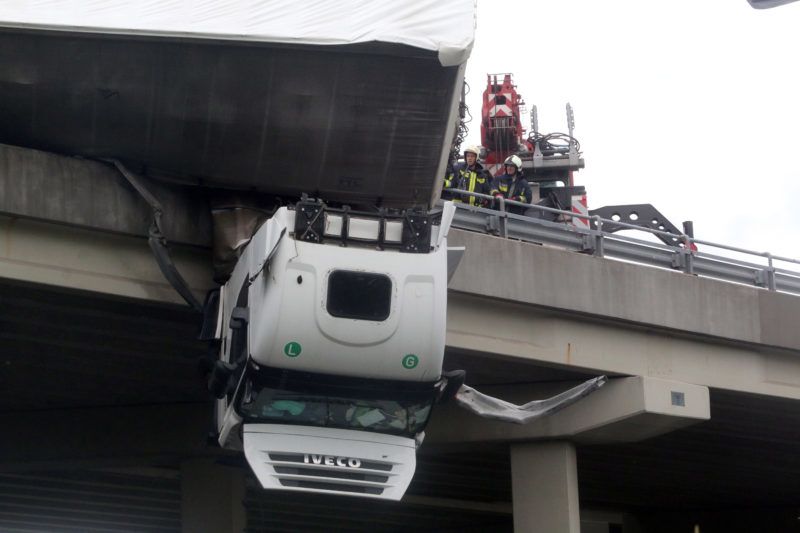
(693, 106)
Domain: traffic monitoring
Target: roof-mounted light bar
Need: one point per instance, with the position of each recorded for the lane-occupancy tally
(409, 230)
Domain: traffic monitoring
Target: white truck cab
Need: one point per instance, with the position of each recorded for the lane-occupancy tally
(332, 334)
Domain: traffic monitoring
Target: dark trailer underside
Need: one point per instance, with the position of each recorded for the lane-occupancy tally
(355, 123)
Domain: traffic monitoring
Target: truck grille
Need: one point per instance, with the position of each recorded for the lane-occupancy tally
(297, 470)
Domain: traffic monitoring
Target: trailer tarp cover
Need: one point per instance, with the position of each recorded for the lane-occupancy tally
(351, 100)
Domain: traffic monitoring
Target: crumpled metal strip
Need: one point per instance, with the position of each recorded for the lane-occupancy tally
(490, 407)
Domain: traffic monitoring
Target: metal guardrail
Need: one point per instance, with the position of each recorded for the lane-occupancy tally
(497, 220)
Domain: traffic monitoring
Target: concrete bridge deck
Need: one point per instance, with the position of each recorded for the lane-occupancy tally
(98, 360)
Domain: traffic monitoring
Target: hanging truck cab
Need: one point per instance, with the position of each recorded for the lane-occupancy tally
(331, 331)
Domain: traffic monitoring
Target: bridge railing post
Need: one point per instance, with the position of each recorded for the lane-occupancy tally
(770, 273)
(688, 254)
(598, 238)
(503, 216)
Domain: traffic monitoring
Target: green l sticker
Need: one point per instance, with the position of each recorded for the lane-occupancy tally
(292, 349)
(410, 361)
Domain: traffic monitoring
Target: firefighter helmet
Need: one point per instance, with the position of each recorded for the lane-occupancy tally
(472, 149)
(513, 161)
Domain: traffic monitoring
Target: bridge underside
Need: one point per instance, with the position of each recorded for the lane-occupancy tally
(101, 397)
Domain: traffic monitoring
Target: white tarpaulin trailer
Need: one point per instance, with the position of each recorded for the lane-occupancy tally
(442, 26)
(351, 100)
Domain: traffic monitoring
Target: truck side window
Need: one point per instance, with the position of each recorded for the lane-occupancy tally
(359, 295)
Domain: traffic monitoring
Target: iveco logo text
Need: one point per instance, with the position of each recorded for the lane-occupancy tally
(330, 460)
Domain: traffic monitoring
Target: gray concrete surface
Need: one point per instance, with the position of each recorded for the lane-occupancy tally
(544, 478)
(596, 346)
(97, 261)
(91, 194)
(571, 282)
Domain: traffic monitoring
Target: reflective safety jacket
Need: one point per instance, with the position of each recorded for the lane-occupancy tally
(514, 187)
(475, 179)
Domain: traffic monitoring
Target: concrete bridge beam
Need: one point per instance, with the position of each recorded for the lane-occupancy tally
(97, 261)
(624, 410)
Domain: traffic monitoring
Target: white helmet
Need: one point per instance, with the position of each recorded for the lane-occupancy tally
(514, 161)
(472, 149)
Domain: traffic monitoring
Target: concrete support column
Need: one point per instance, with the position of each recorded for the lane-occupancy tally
(544, 479)
(212, 498)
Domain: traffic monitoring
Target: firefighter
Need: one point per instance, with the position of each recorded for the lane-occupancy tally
(512, 185)
(469, 176)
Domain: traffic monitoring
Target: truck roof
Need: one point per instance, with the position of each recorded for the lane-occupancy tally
(350, 100)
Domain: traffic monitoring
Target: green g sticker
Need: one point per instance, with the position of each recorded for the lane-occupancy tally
(292, 349)
(410, 361)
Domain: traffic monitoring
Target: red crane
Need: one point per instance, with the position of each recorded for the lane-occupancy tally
(502, 133)
(548, 161)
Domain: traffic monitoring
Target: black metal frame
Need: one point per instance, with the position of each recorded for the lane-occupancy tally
(309, 226)
(642, 215)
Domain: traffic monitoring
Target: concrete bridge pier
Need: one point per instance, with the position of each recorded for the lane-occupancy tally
(212, 497)
(544, 479)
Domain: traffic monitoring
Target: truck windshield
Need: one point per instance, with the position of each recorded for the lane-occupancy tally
(348, 404)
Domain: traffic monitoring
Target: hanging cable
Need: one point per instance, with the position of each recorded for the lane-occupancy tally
(462, 130)
(156, 238)
(554, 143)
